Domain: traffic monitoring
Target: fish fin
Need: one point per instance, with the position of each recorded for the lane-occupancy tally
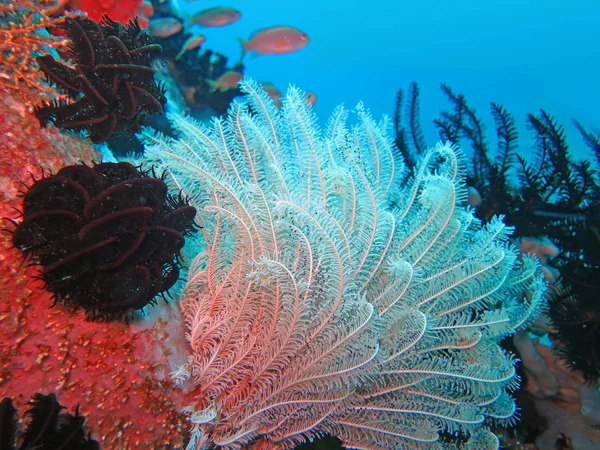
(245, 47)
(188, 20)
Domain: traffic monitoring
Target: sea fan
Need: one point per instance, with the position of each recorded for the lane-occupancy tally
(316, 309)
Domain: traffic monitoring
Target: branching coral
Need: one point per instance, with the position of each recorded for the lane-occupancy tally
(22, 38)
(316, 309)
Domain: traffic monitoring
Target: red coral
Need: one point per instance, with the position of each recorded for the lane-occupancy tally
(118, 10)
(115, 372)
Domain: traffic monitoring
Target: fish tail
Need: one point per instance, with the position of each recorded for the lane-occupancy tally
(188, 20)
(211, 86)
(245, 47)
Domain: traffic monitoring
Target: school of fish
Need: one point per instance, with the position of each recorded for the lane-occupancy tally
(271, 40)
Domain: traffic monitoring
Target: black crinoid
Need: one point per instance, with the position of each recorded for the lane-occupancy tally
(108, 238)
(193, 73)
(111, 85)
(47, 428)
(549, 194)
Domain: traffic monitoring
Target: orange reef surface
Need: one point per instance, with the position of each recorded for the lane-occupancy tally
(116, 372)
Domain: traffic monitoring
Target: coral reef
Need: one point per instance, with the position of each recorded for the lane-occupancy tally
(569, 405)
(108, 237)
(115, 372)
(111, 87)
(317, 309)
(117, 10)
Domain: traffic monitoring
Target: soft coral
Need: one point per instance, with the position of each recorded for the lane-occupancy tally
(118, 10)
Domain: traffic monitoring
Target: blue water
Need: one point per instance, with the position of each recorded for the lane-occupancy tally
(524, 54)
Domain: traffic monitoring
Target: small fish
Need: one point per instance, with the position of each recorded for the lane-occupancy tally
(228, 80)
(274, 40)
(218, 16)
(147, 9)
(474, 200)
(272, 92)
(165, 27)
(191, 43)
(311, 98)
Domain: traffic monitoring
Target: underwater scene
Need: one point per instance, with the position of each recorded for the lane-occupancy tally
(303, 225)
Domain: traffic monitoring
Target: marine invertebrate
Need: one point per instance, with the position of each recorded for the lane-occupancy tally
(47, 426)
(317, 309)
(111, 88)
(107, 237)
(553, 195)
(194, 74)
(22, 38)
(110, 368)
(189, 79)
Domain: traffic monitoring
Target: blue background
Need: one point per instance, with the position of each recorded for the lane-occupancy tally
(523, 54)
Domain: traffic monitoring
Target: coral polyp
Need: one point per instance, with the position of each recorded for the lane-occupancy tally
(107, 238)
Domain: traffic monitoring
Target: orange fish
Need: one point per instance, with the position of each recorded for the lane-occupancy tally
(191, 43)
(165, 27)
(228, 80)
(311, 98)
(147, 9)
(218, 16)
(272, 92)
(274, 40)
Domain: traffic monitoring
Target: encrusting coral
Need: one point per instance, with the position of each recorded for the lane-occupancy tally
(318, 309)
(112, 370)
